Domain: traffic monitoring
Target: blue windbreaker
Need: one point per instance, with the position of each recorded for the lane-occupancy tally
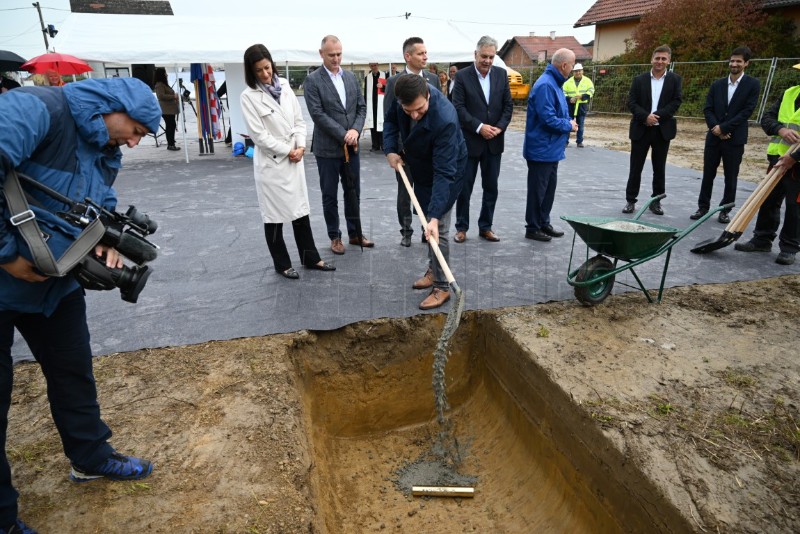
(547, 125)
(57, 135)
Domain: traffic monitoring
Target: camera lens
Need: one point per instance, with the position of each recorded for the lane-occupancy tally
(131, 281)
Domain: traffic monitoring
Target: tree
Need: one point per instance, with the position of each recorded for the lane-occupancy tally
(704, 30)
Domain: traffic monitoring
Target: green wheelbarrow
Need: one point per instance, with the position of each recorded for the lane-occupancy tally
(621, 244)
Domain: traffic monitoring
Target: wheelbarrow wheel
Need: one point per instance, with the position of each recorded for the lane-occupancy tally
(595, 268)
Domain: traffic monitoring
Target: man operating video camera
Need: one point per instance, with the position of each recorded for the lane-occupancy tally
(66, 139)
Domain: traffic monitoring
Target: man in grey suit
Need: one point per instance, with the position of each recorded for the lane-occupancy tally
(416, 57)
(334, 101)
(482, 99)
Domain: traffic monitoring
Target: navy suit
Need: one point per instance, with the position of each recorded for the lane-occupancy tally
(404, 215)
(473, 110)
(643, 137)
(435, 151)
(732, 119)
(332, 120)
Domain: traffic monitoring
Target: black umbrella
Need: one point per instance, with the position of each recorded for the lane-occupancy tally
(350, 194)
(9, 61)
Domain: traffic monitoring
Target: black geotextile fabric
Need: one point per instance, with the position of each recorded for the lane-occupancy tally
(214, 279)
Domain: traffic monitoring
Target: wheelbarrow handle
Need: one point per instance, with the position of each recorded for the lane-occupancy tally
(647, 204)
(439, 256)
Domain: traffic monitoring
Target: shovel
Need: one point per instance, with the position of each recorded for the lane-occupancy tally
(446, 440)
(739, 223)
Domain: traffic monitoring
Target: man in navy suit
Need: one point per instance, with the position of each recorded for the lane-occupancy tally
(416, 57)
(434, 149)
(653, 100)
(729, 103)
(482, 99)
(334, 101)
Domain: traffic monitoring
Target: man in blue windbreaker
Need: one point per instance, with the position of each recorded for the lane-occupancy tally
(68, 139)
(547, 130)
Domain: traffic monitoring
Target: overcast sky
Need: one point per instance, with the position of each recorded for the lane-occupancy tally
(20, 30)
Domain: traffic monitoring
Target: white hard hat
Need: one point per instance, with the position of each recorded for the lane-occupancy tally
(577, 66)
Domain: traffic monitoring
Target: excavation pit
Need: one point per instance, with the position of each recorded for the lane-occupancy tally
(370, 414)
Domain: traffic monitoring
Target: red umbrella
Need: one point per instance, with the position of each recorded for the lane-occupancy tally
(61, 63)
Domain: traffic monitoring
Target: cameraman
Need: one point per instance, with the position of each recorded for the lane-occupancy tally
(67, 139)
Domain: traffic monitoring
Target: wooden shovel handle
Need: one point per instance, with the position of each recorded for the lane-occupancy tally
(431, 241)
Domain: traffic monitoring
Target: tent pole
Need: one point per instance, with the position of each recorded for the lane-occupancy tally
(183, 117)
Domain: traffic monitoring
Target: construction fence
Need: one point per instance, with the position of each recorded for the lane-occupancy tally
(612, 82)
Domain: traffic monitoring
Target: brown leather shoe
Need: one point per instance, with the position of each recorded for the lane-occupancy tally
(435, 299)
(460, 237)
(425, 282)
(488, 235)
(366, 243)
(337, 247)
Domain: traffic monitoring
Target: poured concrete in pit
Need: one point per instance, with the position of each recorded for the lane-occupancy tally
(370, 411)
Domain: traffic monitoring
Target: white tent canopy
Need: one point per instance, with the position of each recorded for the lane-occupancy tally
(168, 40)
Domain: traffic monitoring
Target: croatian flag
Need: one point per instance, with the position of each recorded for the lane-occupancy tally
(213, 102)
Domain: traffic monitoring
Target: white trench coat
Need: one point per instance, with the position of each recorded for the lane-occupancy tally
(275, 130)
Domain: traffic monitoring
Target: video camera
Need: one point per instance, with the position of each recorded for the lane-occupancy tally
(127, 234)
(185, 93)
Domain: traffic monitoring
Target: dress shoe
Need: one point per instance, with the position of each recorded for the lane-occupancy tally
(785, 258)
(364, 242)
(405, 241)
(724, 218)
(435, 299)
(699, 213)
(552, 232)
(655, 207)
(337, 247)
(580, 145)
(749, 246)
(460, 237)
(321, 266)
(425, 282)
(630, 207)
(488, 235)
(538, 235)
(173, 148)
(290, 273)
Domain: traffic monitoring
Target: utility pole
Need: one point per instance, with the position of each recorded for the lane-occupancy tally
(44, 30)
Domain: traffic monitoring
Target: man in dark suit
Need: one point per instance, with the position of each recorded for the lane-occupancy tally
(435, 151)
(653, 100)
(482, 99)
(416, 57)
(729, 103)
(334, 101)
(451, 80)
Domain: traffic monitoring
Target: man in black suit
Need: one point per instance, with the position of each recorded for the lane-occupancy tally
(482, 98)
(653, 100)
(451, 80)
(334, 101)
(416, 57)
(729, 103)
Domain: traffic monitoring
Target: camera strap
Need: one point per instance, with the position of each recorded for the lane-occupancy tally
(24, 219)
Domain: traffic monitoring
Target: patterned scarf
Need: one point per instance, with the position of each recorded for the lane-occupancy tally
(274, 89)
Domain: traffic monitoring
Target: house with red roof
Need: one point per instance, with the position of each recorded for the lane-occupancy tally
(615, 20)
(534, 50)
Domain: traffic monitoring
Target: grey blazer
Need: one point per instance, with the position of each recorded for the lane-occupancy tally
(331, 119)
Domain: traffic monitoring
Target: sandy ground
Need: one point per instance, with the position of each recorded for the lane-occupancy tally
(698, 395)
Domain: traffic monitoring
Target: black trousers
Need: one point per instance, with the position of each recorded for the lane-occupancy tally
(377, 139)
(170, 125)
(303, 237)
(717, 151)
(769, 214)
(490, 173)
(60, 344)
(653, 141)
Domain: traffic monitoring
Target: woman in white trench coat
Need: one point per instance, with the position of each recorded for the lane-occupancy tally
(275, 124)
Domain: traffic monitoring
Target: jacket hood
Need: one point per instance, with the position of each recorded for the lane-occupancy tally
(90, 99)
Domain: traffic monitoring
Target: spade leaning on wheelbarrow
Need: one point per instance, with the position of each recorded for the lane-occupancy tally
(622, 244)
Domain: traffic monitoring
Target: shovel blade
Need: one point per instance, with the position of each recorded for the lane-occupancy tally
(710, 245)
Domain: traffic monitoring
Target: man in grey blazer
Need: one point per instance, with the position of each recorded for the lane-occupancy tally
(416, 57)
(334, 101)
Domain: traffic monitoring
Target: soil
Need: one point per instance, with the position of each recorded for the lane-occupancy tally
(682, 416)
